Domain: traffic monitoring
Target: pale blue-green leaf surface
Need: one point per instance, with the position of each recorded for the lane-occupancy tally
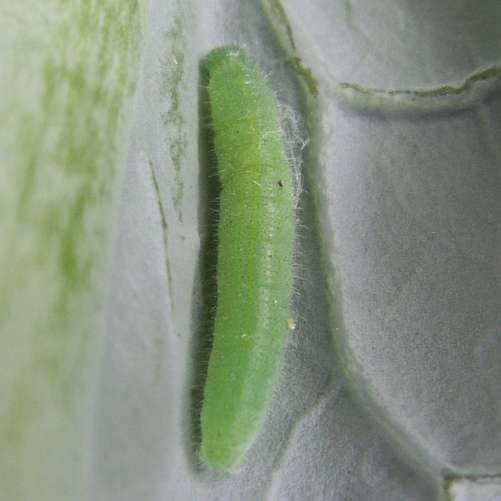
(390, 384)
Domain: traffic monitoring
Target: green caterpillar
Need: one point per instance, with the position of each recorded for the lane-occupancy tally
(255, 257)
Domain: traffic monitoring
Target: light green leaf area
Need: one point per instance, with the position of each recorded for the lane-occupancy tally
(67, 73)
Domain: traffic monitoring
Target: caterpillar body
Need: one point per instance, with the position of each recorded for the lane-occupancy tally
(255, 255)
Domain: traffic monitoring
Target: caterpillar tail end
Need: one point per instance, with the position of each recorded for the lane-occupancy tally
(221, 457)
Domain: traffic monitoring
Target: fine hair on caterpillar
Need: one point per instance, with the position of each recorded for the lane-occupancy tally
(295, 143)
